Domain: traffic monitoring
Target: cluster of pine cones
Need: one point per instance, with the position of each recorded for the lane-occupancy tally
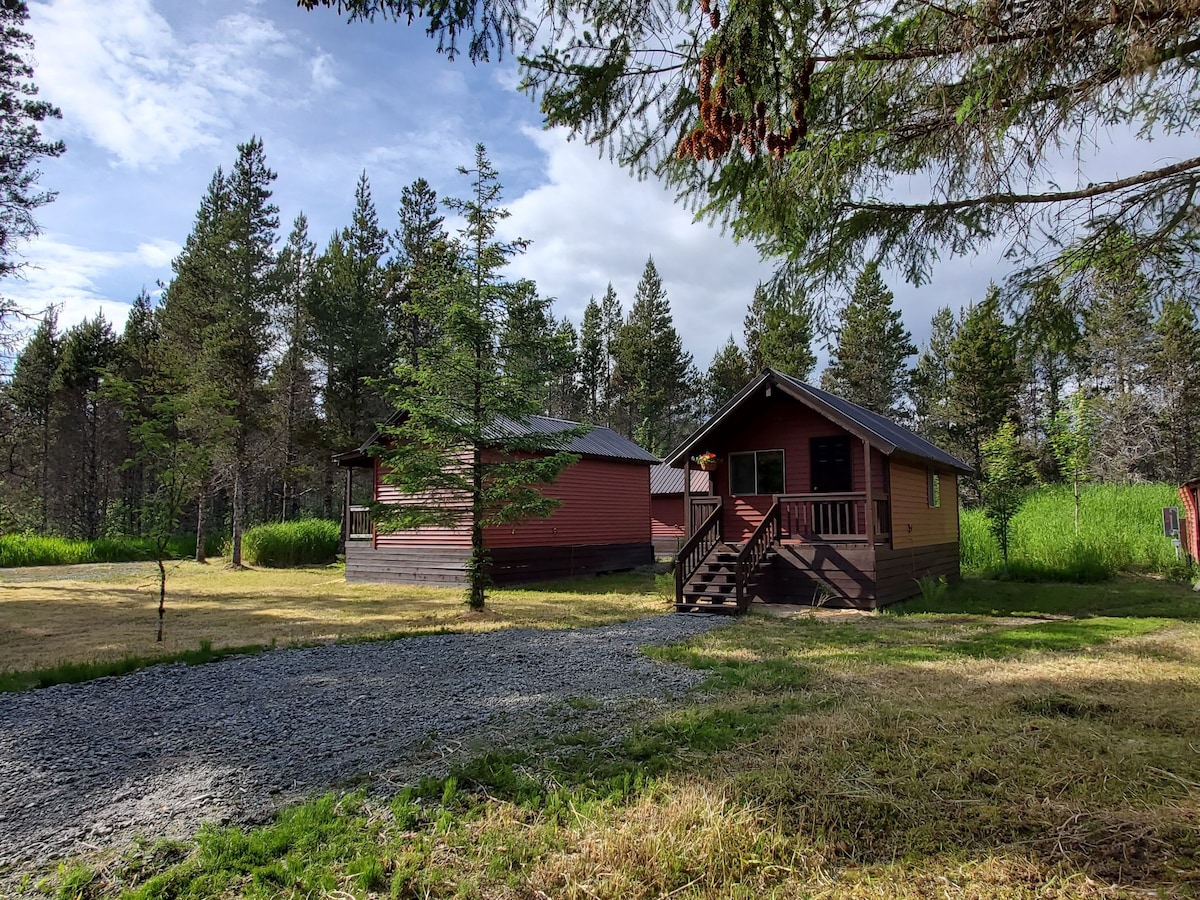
(719, 127)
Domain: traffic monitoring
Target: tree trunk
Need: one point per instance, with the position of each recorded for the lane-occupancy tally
(235, 555)
(201, 557)
(162, 593)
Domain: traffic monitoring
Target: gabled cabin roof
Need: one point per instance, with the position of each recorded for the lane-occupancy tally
(664, 479)
(598, 443)
(881, 433)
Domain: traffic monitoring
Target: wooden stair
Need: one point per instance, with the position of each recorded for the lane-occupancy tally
(713, 586)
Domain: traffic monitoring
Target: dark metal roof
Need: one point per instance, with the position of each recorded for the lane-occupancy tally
(665, 479)
(882, 433)
(600, 442)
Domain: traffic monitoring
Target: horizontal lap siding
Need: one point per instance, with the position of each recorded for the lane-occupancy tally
(603, 503)
(781, 423)
(666, 516)
(914, 522)
(426, 536)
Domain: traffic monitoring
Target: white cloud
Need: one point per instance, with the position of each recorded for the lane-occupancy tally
(323, 76)
(591, 223)
(62, 274)
(126, 81)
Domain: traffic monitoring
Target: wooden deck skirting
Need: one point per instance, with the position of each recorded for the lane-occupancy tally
(510, 565)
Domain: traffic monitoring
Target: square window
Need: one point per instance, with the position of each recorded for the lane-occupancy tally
(756, 472)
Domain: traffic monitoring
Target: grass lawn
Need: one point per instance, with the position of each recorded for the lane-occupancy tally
(66, 623)
(1016, 741)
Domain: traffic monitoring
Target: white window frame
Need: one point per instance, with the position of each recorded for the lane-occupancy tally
(754, 453)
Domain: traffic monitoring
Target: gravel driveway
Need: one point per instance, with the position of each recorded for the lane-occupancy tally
(156, 752)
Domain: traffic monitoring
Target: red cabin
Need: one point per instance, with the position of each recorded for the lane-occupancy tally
(816, 500)
(603, 524)
(667, 528)
(1189, 492)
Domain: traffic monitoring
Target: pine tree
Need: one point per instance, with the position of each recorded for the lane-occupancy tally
(868, 365)
(451, 436)
(137, 362)
(779, 333)
(32, 396)
(983, 380)
(83, 422)
(652, 369)
(293, 396)
(21, 146)
(728, 373)
(1004, 483)
(929, 387)
(1174, 371)
(1047, 342)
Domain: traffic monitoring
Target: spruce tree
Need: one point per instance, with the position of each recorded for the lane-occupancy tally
(983, 380)
(653, 373)
(612, 318)
(929, 386)
(421, 257)
(453, 435)
(593, 363)
(868, 365)
(728, 373)
(779, 333)
(1175, 373)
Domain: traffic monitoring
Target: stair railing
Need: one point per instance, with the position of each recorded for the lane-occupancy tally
(751, 555)
(693, 553)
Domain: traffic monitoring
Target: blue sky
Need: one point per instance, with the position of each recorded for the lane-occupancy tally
(156, 94)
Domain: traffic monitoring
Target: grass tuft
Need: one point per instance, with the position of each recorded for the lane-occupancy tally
(304, 542)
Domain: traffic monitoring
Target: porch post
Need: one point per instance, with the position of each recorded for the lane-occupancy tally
(687, 497)
(870, 501)
(346, 508)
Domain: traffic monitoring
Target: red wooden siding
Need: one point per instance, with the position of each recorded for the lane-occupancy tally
(604, 502)
(914, 522)
(429, 536)
(666, 515)
(781, 423)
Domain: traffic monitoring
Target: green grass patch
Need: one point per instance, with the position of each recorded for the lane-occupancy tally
(303, 542)
(44, 550)
(1120, 530)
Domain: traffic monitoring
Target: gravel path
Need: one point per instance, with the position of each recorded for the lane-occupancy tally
(88, 766)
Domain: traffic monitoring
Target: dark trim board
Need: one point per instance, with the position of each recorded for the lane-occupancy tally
(510, 565)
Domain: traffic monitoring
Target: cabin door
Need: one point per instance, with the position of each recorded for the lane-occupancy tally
(831, 469)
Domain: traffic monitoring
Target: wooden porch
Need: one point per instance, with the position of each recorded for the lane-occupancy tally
(807, 548)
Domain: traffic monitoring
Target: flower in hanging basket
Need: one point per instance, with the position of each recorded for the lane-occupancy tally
(707, 461)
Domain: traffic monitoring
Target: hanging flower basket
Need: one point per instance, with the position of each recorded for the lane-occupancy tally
(707, 462)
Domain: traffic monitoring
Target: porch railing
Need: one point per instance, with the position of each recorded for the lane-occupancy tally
(360, 524)
(693, 553)
(750, 557)
(702, 508)
(839, 518)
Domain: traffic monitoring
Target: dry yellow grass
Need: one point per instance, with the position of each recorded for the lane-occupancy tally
(94, 613)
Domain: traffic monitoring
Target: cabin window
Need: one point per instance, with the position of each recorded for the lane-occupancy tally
(832, 472)
(935, 489)
(756, 472)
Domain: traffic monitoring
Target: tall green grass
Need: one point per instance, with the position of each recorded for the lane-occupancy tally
(44, 550)
(299, 543)
(1120, 530)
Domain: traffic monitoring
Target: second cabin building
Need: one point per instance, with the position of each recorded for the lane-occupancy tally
(813, 500)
